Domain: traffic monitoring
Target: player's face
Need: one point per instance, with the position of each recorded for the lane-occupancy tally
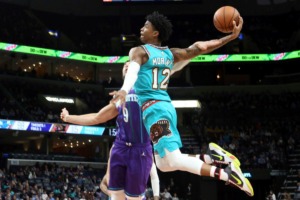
(147, 32)
(125, 68)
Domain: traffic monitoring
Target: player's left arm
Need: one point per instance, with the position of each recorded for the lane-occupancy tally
(105, 179)
(104, 185)
(204, 47)
(106, 113)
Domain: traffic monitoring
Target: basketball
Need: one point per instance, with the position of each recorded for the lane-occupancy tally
(224, 17)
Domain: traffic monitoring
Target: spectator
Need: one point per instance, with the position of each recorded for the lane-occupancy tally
(286, 195)
(175, 197)
(189, 192)
(297, 192)
(271, 196)
(166, 195)
(44, 195)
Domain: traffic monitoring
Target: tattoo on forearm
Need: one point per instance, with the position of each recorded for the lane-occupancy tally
(192, 51)
(187, 53)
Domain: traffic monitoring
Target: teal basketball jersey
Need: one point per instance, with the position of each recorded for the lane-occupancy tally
(154, 75)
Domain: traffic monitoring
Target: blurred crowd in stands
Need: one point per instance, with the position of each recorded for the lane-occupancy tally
(45, 181)
(22, 99)
(264, 125)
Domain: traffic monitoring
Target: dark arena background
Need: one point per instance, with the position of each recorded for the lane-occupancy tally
(69, 53)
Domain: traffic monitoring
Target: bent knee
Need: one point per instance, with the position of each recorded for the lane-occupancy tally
(171, 166)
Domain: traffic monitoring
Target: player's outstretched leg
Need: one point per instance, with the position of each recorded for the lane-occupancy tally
(236, 178)
(220, 156)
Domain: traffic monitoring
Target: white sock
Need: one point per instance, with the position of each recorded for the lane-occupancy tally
(207, 159)
(212, 171)
(223, 175)
(218, 173)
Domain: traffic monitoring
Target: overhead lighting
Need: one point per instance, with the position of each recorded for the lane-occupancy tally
(59, 99)
(53, 33)
(186, 103)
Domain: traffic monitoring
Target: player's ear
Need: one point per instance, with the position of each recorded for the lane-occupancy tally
(155, 34)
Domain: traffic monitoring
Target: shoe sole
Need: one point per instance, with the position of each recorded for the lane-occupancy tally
(250, 187)
(246, 181)
(233, 157)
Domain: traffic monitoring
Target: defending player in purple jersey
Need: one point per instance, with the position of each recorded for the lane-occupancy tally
(131, 156)
(130, 123)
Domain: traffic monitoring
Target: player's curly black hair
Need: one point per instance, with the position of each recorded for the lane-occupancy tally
(162, 24)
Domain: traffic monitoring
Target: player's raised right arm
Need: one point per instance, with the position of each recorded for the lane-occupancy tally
(204, 47)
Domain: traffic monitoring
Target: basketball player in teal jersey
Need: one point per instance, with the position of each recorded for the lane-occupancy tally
(151, 66)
